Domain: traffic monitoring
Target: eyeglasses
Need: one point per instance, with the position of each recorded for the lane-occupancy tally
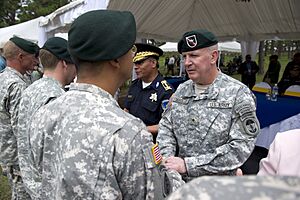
(133, 49)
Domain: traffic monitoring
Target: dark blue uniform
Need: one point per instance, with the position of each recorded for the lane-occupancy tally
(148, 104)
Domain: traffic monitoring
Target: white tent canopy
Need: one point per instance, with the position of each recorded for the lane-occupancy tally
(243, 20)
(222, 46)
(28, 30)
(247, 21)
(168, 19)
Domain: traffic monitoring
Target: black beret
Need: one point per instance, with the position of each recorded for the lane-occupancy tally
(58, 47)
(145, 51)
(25, 45)
(101, 35)
(196, 39)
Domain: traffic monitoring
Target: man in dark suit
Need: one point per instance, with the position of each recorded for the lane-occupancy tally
(248, 70)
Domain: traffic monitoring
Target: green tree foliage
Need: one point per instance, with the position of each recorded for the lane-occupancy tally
(13, 12)
(8, 12)
(39, 8)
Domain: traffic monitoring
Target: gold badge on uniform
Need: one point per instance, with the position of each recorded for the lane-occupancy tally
(156, 154)
(166, 85)
(153, 97)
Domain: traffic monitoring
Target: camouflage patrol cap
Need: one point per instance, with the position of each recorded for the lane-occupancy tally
(196, 39)
(145, 51)
(25, 45)
(58, 47)
(101, 35)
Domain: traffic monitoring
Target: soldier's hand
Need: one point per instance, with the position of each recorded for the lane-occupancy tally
(175, 163)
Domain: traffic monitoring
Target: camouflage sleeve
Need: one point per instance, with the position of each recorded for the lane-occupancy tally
(166, 138)
(15, 91)
(137, 169)
(165, 101)
(241, 137)
(23, 147)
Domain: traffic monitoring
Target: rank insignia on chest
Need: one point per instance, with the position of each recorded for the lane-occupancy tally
(156, 154)
(153, 97)
(166, 85)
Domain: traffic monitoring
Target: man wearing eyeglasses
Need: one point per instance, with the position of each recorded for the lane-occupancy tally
(149, 94)
(21, 55)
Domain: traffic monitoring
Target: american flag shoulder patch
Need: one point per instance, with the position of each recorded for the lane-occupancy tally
(156, 154)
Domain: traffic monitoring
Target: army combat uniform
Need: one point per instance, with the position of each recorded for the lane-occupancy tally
(214, 131)
(36, 95)
(90, 148)
(11, 87)
(240, 187)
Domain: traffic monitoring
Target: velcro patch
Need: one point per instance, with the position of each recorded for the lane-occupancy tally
(156, 154)
(180, 100)
(251, 126)
(164, 104)
(243, 109)
(222, 104)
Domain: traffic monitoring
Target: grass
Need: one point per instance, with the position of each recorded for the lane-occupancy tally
(4, 187)
(5, 193)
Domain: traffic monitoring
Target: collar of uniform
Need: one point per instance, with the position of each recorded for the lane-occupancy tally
(188, 89)
(214, 89)
(211, 92)
(157, 79)
(14, 71)
(92, 89)
(53, 80)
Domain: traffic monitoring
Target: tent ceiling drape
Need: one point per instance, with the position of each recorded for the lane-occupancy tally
(168, 19)
(254, 20)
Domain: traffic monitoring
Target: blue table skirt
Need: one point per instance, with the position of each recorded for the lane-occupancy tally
(270, 112)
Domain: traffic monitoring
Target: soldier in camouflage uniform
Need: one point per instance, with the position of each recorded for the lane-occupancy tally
(59, 71)
(240, 187)
(91, 148)
(211, 125)
(21, 55)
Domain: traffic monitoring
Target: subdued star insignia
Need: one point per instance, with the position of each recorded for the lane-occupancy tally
(153, 97)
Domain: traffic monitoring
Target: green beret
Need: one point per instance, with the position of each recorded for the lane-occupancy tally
(25, 45)
(145, 51)
(101, 35)
(58, 47)
(196, 39)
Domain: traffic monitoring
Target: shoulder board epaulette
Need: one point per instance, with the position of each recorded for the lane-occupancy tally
(166, 85)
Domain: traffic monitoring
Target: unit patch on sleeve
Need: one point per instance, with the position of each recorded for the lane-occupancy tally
(248, 118)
